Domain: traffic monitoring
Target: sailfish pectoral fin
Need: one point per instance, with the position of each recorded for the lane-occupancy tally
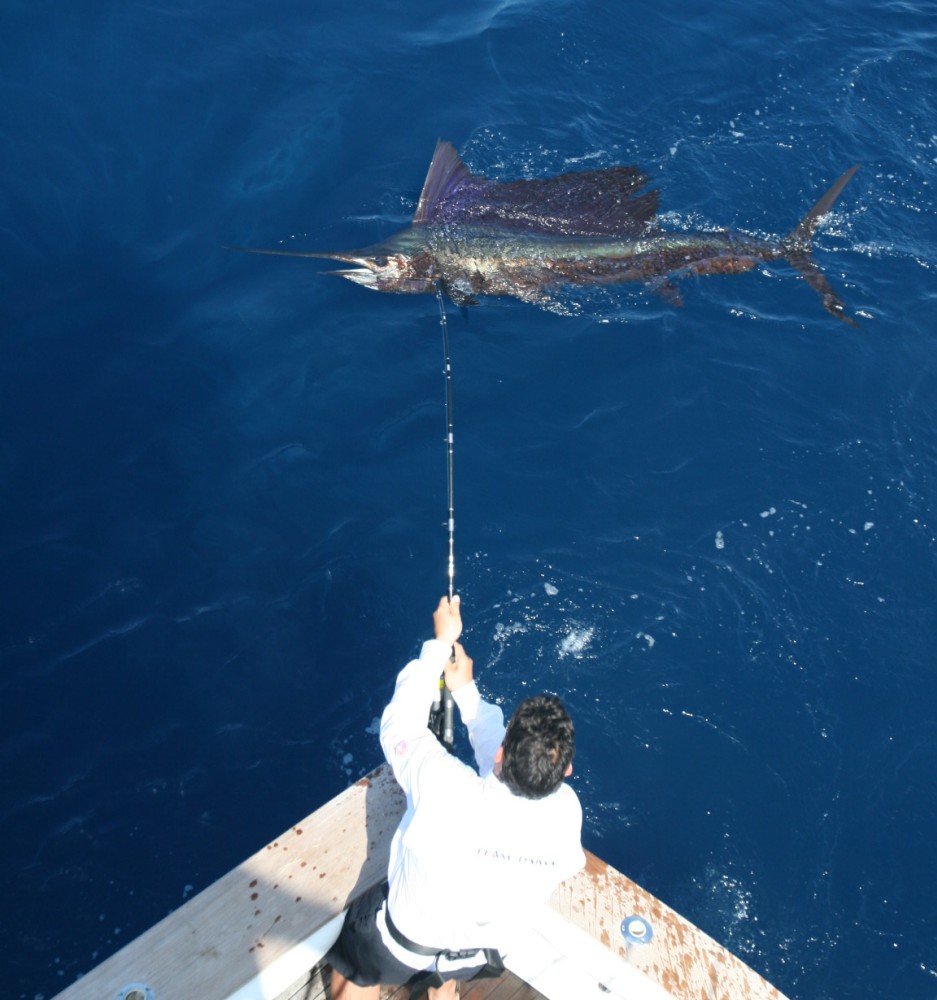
(798, 246)
(668, 291)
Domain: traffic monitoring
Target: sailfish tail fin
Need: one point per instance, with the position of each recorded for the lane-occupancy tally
(798, 245)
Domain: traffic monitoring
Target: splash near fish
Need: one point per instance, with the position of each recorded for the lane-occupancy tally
(530, 238)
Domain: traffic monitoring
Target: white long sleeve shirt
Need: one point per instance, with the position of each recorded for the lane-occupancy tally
(469, 859)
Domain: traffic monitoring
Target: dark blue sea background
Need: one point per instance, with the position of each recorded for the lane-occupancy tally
(223, 478)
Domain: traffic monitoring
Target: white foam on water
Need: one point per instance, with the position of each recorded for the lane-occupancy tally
(576, 641)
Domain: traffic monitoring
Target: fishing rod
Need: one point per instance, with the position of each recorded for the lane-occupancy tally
(442, 714)
(443, 322)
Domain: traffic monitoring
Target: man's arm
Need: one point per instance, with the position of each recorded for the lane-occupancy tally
(413, 752)
(484, 721)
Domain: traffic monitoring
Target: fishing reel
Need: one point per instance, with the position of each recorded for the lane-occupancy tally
(441, 720)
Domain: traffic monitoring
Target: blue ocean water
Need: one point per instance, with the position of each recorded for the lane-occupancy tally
(222, 478)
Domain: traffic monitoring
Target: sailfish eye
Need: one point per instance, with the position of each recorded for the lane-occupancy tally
(379, 261)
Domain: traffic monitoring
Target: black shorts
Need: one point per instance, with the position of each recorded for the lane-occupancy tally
(360, 954)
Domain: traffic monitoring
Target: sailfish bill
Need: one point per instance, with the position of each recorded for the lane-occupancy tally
(531, 238)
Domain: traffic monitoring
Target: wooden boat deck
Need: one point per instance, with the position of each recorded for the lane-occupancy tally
(505, 987)
(256, 933)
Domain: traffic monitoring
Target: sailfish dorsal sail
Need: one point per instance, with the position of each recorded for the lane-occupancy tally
(608, 202)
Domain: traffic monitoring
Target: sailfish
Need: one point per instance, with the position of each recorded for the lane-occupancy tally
(472, 236)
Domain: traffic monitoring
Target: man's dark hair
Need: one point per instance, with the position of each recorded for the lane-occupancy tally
(539, 746)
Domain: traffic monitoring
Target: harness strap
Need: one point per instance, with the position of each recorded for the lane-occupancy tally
(421, 949)
(402, 939)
